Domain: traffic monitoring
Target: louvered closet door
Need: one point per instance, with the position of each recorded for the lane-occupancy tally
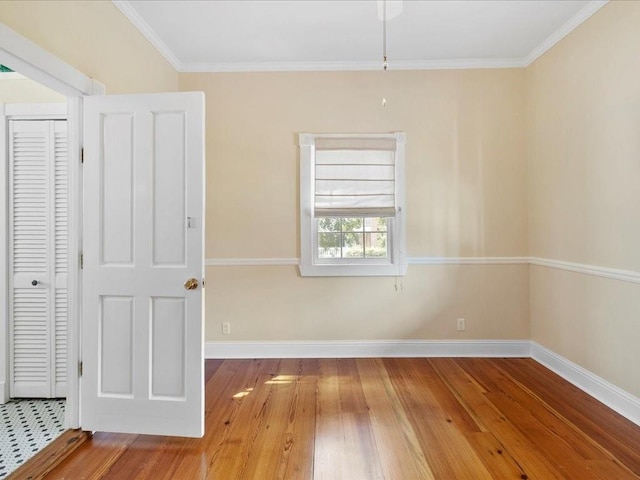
(38, 235)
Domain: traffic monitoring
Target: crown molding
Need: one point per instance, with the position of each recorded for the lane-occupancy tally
(454, 64)
(134, 17)
(570, 25)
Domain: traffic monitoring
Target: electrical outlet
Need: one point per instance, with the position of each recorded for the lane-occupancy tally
(226, 328)
(461, 325)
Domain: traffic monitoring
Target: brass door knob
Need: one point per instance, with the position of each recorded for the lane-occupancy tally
(191, 284)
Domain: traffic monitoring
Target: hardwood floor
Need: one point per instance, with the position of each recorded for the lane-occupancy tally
(371, 419)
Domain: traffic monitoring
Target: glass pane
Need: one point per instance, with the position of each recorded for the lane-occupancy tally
(352, 245)
(328, 224)
(375, 245)
(352, 224)
(375, 224)
(329, 245)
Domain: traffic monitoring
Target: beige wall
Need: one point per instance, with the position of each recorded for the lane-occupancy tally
(24, 90)
(95, 38)
(584, 148)
(563, 131)
(466, 196)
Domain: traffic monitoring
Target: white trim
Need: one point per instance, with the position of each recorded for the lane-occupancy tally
(310, 265)
(12, 76)
(4, 260)
(134, 17)
(14, 111)
(612, 273)
(468, 260)
(74, 274)
(454, 64)
(570, 25)
(368, 348)
(615, 398)
(33, 111)
(239, 262)
(21, 54)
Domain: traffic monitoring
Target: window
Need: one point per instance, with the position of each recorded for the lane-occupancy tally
(352, 204)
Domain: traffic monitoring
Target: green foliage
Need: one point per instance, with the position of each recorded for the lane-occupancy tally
(369, 253)
(338, 224)
(352, 237)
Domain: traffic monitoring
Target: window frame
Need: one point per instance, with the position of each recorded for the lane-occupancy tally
(310, 264)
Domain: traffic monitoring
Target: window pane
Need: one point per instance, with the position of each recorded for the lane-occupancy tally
(352, 224)
(375, 245)
(329, 245)
(375, 224)
(352, 245)
(328, 224)
(352, 237)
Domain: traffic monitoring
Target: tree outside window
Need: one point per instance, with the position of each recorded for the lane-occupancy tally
(352, 237)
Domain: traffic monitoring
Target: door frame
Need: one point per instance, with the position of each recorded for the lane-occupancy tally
(9, 112)
(26, 57)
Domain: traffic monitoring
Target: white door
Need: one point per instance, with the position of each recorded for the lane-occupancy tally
(143, 232)
(38, 258)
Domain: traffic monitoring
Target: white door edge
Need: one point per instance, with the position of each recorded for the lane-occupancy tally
(21, 54)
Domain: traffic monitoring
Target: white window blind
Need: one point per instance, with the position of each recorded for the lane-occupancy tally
(355, 177)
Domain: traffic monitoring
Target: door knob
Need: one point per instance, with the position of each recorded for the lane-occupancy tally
(191, 284)
(34, 282)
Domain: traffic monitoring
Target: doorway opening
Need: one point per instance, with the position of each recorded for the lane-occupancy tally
(35, 189)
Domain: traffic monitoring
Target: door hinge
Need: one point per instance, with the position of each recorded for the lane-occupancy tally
(81, 261)
(80, 369)
(82, 155)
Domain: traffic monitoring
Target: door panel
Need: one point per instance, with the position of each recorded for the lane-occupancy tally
(116, 187)
(143, 355)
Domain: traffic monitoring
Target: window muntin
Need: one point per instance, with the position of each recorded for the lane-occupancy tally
(349, 238)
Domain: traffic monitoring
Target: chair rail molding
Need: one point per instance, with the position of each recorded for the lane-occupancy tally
(606, 272)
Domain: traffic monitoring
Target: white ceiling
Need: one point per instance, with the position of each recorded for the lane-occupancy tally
(298, 35)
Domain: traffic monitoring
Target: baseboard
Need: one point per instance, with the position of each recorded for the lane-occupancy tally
(369, 348)
(615, 398)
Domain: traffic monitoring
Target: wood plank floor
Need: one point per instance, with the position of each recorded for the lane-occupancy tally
(366, 419)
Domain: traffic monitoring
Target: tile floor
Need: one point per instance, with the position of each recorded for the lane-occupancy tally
(27, 426)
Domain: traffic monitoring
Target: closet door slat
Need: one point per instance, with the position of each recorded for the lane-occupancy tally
(38, 246)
